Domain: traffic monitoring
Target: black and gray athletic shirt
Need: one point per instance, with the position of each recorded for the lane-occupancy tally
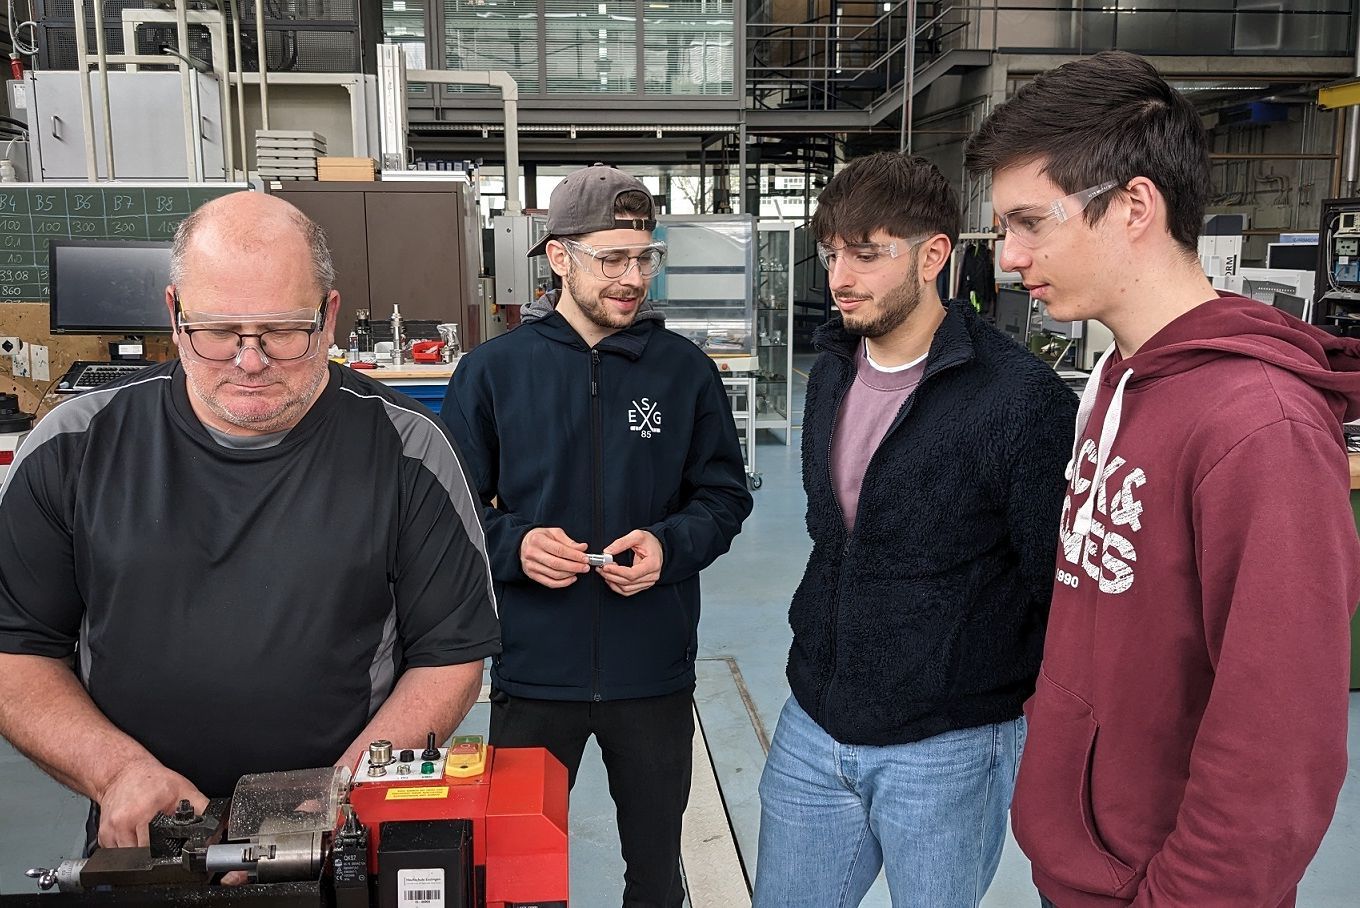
(241, 611)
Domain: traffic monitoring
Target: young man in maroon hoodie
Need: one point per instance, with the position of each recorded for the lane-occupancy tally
(1187, 737)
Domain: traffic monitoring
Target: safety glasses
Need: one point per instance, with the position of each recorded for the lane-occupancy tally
(1029, 226)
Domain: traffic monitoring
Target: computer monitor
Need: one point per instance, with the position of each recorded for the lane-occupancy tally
(104, 287)
(1287, 302)
(1012, 313)
(1294, 256)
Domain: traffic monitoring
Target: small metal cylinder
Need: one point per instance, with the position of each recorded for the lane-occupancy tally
(224, 858)
(65, 876)
(290, 857)
(380, 753)
(274, 859)
(68, 875)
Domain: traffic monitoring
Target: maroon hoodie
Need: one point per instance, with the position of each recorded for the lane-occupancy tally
(1187, 736)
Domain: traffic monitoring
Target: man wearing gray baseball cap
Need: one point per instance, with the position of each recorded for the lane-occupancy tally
(609, 469)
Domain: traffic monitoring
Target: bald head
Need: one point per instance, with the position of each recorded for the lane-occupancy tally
(248, 227)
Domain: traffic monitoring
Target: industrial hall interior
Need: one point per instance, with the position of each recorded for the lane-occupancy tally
(912, 395)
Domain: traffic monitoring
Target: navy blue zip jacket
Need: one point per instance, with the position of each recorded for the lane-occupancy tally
(930, 615)
(636, 433)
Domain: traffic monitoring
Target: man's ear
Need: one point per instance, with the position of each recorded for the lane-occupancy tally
(332, 305)
(934, 257)
(1146, 209)
(558, 257)
(170, 292)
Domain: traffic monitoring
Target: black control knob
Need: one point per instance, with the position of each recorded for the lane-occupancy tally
(430, 752)
(407, 756)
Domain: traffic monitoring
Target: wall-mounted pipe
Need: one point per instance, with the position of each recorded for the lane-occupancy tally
(234, 10)
(193, 160)
(509, 98)
(1352, 131)
(264, 55)
(86, 99)
(100, 50)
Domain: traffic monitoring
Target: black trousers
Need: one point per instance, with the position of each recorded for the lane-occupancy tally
(646, 744)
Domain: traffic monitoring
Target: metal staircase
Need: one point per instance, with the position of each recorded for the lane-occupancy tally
(849, 66)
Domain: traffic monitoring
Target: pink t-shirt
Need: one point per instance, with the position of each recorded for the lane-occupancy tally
(869, 408)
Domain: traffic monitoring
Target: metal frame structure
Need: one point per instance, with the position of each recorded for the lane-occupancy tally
(181, 17)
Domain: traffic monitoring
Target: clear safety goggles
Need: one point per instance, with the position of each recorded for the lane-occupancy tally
(616, 261)
(1029, 226)
(280, 336)
(865, 258)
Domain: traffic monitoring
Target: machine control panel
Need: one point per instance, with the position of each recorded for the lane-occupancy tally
(465, 757)
(382, 764)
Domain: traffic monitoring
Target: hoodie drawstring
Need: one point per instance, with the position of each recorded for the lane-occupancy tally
(1081, 525)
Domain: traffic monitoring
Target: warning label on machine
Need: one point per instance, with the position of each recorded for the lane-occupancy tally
(417, 794)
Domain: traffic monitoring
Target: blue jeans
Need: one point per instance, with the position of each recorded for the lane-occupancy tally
(932, 813)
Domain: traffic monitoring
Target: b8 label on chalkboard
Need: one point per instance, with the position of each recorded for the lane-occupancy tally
(32, 215)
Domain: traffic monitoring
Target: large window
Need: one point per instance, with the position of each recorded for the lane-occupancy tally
(559, 48)
(591, 47)
(493, 34)
(404, 23)
(688, 49)
(1196, 27)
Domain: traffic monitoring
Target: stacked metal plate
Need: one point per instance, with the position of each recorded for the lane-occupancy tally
(288, 154)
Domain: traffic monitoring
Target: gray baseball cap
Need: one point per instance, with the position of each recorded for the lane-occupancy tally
(584, 203)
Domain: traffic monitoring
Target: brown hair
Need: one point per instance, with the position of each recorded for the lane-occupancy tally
(903, 195)
(632, 202)
(1107, 117)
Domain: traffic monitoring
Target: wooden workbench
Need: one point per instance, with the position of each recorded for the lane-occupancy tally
(1355, 472)
(421, 373)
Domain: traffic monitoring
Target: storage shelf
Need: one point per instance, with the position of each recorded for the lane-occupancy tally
(774, 269)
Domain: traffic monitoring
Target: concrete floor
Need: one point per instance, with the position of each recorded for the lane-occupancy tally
(744, 640)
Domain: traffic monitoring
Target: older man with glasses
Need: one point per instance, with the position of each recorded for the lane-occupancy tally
(933, 450)
(259, 560)
(604, 450)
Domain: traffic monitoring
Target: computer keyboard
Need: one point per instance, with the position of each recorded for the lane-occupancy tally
(96, 374)
(1351, 431)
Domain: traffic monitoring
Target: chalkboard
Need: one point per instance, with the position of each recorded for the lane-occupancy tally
(33, 213)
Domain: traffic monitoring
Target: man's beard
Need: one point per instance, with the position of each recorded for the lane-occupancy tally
(897, 305)
(594, 308)
(282, 415)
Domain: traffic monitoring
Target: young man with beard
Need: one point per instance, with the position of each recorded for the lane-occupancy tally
(1188, 731)
(592, 429)
(932, 458)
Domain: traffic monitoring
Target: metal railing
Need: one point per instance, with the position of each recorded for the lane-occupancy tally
(842, 62)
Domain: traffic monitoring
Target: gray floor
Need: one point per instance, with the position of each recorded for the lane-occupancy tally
(744, 640)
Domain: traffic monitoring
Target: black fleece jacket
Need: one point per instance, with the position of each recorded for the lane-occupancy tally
(930, 615)
(635, 433)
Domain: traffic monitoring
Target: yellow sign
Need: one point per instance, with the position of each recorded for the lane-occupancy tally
(417, 794)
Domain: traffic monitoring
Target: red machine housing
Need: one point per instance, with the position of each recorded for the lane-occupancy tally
(518, 809)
